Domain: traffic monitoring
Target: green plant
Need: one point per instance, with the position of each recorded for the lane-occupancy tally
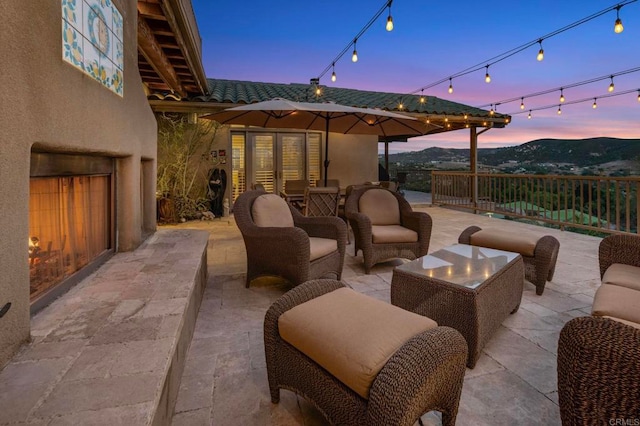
(183, 162)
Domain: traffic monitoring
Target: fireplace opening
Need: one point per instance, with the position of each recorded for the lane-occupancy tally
(70, 221)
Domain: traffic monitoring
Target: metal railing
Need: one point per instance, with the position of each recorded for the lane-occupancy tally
(598, 203)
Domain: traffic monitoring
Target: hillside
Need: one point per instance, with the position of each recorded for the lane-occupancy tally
(580, 152)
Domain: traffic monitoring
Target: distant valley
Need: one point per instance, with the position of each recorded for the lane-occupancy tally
(594, 156)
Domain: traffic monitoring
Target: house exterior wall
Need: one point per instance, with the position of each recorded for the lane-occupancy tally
(51, 106)
(354, 158)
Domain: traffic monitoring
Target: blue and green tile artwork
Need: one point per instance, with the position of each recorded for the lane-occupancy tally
(92, 40)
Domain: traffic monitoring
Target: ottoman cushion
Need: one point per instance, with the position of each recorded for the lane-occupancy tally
(523, 244)
(350, 335)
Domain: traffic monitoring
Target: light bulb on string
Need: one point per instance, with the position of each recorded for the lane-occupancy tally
(389, 25)
(491, 110)
(540, 56)
(422, 96)
(595, 103)
(522, 103)
(466, 116)
(487, 77)
(561, 95)
(611, 86)
(559, 110)
(529, 116)
(450, 86)
(617, 27)
(400, 105)
(333, 74)
(354, 56)
(638, 95)
(318, 91)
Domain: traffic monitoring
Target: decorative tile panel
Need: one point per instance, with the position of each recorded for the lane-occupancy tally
(92, 40)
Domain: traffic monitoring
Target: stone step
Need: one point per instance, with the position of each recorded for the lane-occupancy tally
(112, 349)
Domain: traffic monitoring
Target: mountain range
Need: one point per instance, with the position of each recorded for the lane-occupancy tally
(579, 152)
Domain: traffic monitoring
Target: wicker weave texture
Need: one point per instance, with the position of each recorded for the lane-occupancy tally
(538, 269)
(373, 253)
(285, 252)
(475, 313)
(598, 372)
(322, 201)
(425, 374)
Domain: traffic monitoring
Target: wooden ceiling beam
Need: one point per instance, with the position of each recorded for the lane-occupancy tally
(155, 56)
(151, 10)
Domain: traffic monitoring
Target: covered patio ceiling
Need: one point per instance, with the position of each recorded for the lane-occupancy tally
(170, 48)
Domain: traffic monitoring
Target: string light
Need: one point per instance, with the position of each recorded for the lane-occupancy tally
(537, 41)
(578, 101)
(400, 105)
(318, 91)
(540, 56)
(559, 110)
(467, 115)
(565, 86)
(561, 96)
(450, 86)
(618, 28)
(522, 103)
(354, 56)
(529, 116)
(333, 74)
(491, 110)
(422, 97)
(487, 77)
(638, 95)
(595, 103)
(611, 86)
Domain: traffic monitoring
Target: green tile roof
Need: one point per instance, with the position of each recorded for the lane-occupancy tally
(245, 92)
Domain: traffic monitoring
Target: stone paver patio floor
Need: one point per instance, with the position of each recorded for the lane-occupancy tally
(514, 381)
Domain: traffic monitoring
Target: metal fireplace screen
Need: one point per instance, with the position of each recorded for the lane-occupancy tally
(69, 217)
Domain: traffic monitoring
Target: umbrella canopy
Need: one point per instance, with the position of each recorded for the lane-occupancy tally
(329, 117)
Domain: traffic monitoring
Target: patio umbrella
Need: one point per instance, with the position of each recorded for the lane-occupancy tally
(330, 117)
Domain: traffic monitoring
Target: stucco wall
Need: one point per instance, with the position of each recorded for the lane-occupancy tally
(49, 104)
(354, 158)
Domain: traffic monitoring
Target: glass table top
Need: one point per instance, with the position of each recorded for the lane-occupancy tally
(460, 264)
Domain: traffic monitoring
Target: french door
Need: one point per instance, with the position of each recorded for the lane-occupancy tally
(273, 158)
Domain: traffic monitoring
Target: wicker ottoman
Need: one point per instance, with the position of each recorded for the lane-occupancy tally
(359, 360)
(539, 253)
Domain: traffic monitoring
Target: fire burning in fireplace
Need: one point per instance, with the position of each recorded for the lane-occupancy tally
(69, 226)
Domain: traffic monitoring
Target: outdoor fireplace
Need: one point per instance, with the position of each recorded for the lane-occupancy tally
(70, 221)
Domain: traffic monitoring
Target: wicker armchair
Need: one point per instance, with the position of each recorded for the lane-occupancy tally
(426, 373)
(598, 372)
(624, 249)
(385, 226)
(289, 249)
(598, 368)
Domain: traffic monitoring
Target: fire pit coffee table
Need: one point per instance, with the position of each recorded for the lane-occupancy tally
(472, 289)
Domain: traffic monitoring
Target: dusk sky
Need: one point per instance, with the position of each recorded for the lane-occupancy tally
(292, 41)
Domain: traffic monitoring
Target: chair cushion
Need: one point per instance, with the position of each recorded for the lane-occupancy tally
(321, 247)
(271, 210)
(393, 234)
(350, 335)
(622, 275)
(523, 244)
(380, 206)
(618, 302)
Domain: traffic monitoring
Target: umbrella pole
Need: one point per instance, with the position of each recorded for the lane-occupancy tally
(326, 149)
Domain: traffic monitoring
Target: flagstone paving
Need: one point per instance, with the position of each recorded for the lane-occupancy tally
(514, 381)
